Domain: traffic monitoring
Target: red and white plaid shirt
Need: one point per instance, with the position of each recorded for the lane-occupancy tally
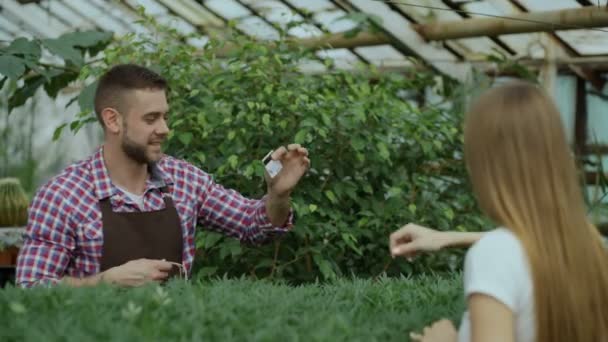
(64, 235)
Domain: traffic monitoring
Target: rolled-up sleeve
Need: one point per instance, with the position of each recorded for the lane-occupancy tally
(229, 212)
(48, 239)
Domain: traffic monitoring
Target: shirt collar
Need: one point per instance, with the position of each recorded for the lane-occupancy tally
(103, 184)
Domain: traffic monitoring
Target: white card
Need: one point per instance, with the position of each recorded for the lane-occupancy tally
(272, 166)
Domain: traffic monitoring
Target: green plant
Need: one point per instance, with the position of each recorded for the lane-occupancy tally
(232, 310)
(22, 62)
(380, 159)
(13, 203)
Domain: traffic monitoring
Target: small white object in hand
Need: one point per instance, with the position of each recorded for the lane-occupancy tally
(272, 166)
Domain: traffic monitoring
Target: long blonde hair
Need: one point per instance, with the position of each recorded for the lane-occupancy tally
(525, 179)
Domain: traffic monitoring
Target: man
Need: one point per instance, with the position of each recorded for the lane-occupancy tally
(127, 215)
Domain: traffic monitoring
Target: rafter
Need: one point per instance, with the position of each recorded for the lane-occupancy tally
(546, 21)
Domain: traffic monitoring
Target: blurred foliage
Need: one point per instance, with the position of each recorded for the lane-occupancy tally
(232, 310)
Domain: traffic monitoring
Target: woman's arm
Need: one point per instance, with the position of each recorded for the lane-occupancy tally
(412, 238)
(491, 320)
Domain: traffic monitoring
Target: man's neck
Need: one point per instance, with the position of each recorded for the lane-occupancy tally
(123, 171)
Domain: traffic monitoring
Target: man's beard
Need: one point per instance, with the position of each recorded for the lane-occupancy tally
(135, 151)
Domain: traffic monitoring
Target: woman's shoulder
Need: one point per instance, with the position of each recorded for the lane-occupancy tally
(498, 240)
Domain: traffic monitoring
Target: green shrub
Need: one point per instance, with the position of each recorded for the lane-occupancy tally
(379, 158)
(231, 310)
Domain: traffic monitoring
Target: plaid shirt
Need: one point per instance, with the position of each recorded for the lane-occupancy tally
(64, 235)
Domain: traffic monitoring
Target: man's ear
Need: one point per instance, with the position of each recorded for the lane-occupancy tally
(112, 120)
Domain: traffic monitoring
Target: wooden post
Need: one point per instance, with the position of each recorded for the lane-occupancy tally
(335, 41)
(548, 71)
(580, 118)
(546, 21)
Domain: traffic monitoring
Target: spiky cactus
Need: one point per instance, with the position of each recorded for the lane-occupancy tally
(13, 203)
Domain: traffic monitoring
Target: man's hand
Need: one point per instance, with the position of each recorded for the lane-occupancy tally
(137, 272)
(411, 239)
(441, 331)
(295, 163)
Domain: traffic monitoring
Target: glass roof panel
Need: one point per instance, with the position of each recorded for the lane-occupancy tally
(525, 44)
(258, 28)
(425, 15)
(305, 31)
(68, 14)
(228, 9)
(383, 56)
(311, 66)
(52, 18)
(97, 15)
(312, 5)
(152, 7)
(5, 36)
(274, 11)
(40, 17)
(586, 42)
(332, 21)
(199, 41)
(192, 12)
(22, 17)
(343, 58)
(177, 23)
(9, 26)
(544, 5)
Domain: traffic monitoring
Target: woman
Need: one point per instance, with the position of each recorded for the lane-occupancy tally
(543, 275)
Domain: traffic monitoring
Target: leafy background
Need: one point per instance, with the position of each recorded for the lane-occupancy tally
(381, 157)
(386, 149)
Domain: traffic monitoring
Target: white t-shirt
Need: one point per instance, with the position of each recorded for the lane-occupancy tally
(497, 266)
(137, 199)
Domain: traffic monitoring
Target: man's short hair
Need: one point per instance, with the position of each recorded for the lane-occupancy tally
(113, 85)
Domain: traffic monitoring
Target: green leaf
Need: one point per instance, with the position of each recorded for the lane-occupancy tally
(11, 67)
(449, 213)
(24, 48)
(394, 192)
(383, 150)
(266, 119)
(58, 130)
(324, 267)
(63, 49)
(86, 38)
(207, 271)
(185, 137)
(233, 161)
(211, 239)
(300, 137)
(86, 99)
(331, 196)
(312, 208)
(25, 92)
(351, 241)
(412, 208)
(59, 82)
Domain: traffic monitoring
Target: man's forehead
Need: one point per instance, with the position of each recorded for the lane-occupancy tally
(150, 100)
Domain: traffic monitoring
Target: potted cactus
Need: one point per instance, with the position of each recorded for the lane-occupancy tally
(13, 203)
(13, 214)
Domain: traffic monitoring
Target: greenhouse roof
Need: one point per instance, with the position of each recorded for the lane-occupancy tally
(576, 40)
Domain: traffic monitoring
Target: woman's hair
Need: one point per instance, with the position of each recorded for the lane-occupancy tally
(525, 179)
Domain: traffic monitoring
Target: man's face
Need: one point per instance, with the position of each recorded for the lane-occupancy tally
(145, 125)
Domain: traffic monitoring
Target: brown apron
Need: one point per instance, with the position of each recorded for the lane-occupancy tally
(134, 235)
